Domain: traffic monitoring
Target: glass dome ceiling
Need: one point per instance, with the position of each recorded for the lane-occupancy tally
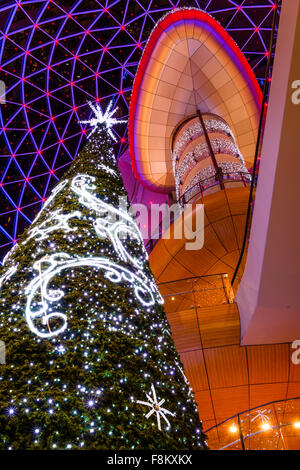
(55, 56)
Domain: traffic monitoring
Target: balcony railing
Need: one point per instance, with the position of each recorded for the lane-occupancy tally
(198, 189)
(199, 291)
(271, 426)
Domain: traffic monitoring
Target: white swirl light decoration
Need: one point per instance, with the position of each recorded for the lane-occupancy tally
(8, 274)
(114, 232)
(9, 254)
(41, 231)
(83, 186)
(55, 191)
(145, 290)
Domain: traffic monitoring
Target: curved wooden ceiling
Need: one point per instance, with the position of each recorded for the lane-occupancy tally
(224, 222)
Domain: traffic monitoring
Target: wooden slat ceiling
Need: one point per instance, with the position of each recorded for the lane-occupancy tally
(224, 215)
(228, 378)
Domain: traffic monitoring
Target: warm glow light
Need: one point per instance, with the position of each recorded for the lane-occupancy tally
(233, 428)
(265, 426)
(297, 424)
(172, 298)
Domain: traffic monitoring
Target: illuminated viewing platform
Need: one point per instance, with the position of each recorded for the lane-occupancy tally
(205, 154)
(190, 64)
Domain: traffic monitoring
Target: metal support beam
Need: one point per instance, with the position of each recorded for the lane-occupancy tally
(212, 154)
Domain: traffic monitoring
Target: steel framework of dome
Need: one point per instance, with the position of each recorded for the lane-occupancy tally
(55, 56)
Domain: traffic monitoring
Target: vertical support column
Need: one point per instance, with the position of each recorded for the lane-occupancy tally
(213, 157)
(241, 433)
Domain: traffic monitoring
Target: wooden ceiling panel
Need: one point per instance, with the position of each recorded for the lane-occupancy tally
(292, 443)
(294, 368)
(293, 390)
(219, 325)
(231, 259)
(268, 363)
(205, 408)
(238, 200)
(229, 401)
(185, 331)
(173, 271)
(220, 267)
(226, 366)
(213, 243)
(215, 206)
(169, 260)
(172, 245)
(264, 393)
(158, 263)
(187, 259)
(225, 230)
(195, 369)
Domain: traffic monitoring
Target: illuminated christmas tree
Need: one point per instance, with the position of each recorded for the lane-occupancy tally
(90, 361)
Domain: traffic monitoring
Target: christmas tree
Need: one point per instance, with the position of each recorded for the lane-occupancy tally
(90, 361)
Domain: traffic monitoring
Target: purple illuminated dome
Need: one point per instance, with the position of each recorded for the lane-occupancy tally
(55, 56)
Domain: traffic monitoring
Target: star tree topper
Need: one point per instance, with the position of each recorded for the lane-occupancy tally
(101, 117)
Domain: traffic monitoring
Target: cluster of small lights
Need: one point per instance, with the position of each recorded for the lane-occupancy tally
(54, 58)
(183, 166)
(195, 130)
(201, 151)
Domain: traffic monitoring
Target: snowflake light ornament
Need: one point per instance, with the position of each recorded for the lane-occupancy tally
(156, 407)
(262, 415)
(103, 118)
